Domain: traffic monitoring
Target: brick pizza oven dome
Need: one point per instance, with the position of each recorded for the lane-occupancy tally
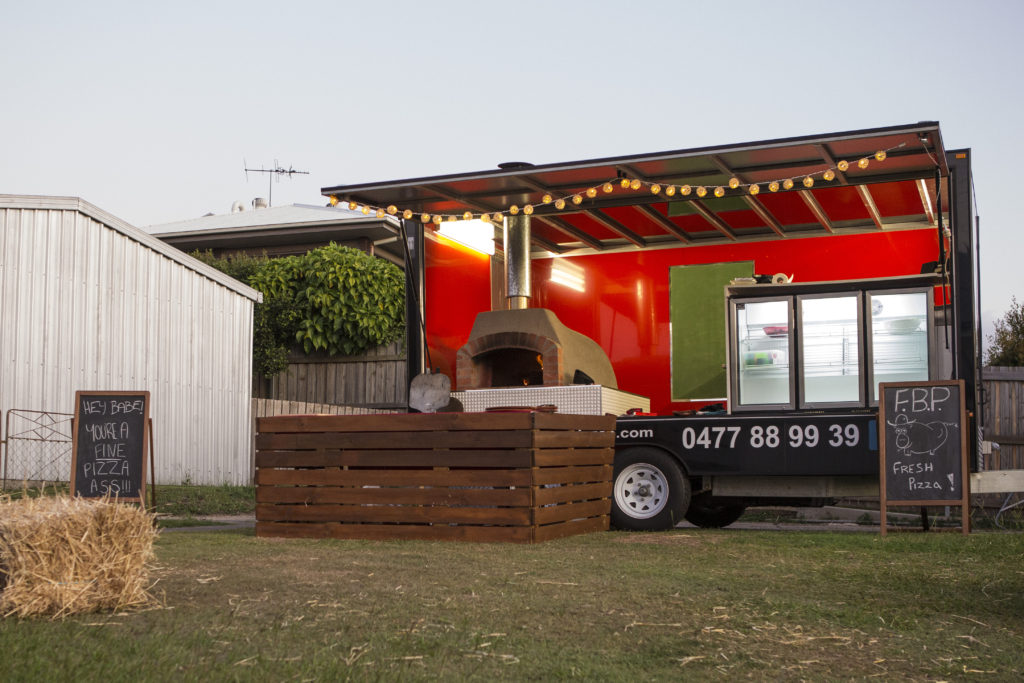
(529, 346)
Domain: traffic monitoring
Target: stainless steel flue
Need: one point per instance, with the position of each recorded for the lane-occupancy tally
(517, 261)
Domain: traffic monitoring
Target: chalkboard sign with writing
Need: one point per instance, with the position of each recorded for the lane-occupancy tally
(923, 454)
(108, 451)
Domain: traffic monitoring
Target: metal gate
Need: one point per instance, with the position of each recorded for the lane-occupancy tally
(37, 449)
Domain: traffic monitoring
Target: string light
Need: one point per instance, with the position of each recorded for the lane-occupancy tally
(827, 174)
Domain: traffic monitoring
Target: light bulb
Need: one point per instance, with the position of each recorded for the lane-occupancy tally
(546, 199)
(685, 190)
(754, 189)
(559, 203)
(467, 216)
(655, 188)
(407, 214)
(701, 191)
(607, 187)
(808, 181)
(438, 219)
(829, 174)
(513, 209)
(880, 155)
(528, 209)
(773, 186)
(392, 209)
(670, 190)
(366, 211)
(577, 199)
(734, 182)
(450, 219)
(380, 213)
(719, 191)
(863, 163)
(425, 218)
(787, 184)
(843, 165)
(591, 192)
(352, 206)
(333, 200)
(635, 184)
(624, 183)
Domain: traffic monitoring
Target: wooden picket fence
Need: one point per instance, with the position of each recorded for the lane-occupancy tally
(1004, 416)
(375, 379)
(519, 477)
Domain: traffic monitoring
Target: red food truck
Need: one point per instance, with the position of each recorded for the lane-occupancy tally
(737, 306)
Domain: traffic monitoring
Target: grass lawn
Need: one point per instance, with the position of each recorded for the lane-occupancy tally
(687, 604)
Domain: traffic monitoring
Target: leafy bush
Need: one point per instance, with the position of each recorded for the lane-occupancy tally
(335, 299)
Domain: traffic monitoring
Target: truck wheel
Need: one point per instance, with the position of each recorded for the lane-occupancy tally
(710, 513)
(650, 491)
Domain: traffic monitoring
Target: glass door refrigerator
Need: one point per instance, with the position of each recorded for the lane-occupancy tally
(815, 349)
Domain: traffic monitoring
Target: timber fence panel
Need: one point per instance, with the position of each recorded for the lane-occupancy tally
(1004, 415)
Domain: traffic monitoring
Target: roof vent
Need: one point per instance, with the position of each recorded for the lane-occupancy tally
(260, 203)
(237, 207)
(514, 165)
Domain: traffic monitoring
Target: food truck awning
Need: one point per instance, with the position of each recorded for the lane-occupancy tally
(865, 180)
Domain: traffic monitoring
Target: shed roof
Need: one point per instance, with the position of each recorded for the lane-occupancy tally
(895, 193)
(48, 203)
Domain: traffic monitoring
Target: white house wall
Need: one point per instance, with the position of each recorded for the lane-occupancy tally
(85, 306)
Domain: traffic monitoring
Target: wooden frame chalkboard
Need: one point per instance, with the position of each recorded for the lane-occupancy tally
(110, 440)
(923, 446)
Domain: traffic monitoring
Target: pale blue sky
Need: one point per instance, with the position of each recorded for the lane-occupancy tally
(148, 110)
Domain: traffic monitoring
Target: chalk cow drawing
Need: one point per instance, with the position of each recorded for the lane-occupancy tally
(919, 438)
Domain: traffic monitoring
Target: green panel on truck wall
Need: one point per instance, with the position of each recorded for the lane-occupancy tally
(697, 312)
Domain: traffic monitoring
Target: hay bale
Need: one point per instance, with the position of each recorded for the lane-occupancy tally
(62, 555)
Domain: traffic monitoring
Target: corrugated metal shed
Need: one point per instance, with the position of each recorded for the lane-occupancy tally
(89, 302)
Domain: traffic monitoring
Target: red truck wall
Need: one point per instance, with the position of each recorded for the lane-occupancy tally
(625, 307)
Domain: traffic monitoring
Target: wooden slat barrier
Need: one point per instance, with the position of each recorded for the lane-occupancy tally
(517, 476)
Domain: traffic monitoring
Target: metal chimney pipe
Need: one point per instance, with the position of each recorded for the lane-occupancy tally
(517, 261)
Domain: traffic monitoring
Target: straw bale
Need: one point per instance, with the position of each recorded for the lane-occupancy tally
(61, 555)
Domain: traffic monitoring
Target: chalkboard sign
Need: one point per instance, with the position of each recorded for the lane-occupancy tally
(923, 454)
(109, 444)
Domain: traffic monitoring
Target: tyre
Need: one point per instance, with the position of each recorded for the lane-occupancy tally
(649, 492)
(713, 513)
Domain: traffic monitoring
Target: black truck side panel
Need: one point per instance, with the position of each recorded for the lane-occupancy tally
(776, 444)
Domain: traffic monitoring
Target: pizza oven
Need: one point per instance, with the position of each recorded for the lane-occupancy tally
(529, 347)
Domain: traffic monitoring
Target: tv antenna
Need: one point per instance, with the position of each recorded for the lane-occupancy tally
(274, 173)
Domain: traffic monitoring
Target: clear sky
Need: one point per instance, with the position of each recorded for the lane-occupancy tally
(149, 109)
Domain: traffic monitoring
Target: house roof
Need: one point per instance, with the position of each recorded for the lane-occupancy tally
(301, 225)
(48, 203)
(897, 192)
